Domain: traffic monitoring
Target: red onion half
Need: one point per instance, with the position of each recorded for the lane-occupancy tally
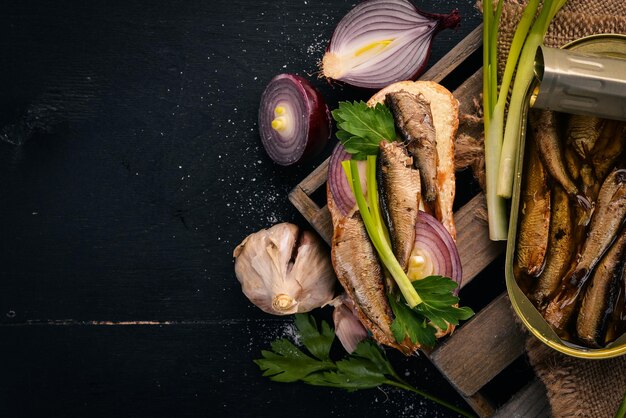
(435, 243)
(338, 183)
(380, 42)
(294, 121)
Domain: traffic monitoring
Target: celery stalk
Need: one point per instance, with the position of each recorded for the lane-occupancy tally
(371, 218)
(523, 80)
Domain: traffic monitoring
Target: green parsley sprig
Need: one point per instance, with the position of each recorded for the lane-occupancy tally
(361, 128)
(366, 368)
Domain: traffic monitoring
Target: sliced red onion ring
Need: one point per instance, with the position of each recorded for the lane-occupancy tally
(380, 42)
(435, 243)
(294, 121)
(338, 183)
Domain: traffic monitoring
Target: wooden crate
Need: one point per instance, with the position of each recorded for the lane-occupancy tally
(485, 345)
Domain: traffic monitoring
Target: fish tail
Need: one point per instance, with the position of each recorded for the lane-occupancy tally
(584, 202)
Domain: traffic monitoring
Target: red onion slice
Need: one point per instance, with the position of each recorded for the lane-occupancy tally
(294, 121)
(380, 42)
(435, 243)
(338, 183)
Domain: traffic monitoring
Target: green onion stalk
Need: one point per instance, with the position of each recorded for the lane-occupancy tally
(523, 81)
(496, 206)
(372, 218)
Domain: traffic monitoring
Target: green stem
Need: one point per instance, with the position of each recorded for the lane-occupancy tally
(372, 190)
(514, 52)
(497, 123)
(493, 55)
(496, 207)
(621, 411)
(403, 385)
(377, 236)
(523, 80)
(487, 106)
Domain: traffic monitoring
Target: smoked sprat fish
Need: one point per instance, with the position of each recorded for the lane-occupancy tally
(414, 121)
(534, 224)
(609, 147)
(359, 272)
(399, 197)
(582, 133)
(544, 129)
(562, 248)
(601, 295)
(607, 220)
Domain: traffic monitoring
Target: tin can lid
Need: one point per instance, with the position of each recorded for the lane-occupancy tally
(579, 83)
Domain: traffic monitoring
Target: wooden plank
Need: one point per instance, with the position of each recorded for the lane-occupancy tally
(529, 402)
(477, 251)
(455, 56)
(468, 91)
(317, 178)
(318, 217)
(480, 404)
(481, 349)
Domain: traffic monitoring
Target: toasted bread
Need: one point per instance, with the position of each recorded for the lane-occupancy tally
(445, 109)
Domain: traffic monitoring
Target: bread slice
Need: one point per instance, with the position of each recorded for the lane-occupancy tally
(445, 109)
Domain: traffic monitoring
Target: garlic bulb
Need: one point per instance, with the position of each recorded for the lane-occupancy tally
(284, 270)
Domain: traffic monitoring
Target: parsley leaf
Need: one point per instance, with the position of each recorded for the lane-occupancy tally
(286, 363)
(438, 301)
(360, 128)
(367, 367)
(318, 343)
(412, 324)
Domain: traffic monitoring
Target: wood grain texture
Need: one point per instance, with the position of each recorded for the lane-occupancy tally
(481, 348)
(480, 404)
(475, 248)
(530, 402)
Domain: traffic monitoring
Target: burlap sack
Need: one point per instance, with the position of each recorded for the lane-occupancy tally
(576, 388)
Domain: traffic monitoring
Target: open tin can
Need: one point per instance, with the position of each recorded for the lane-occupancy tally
(606, 45)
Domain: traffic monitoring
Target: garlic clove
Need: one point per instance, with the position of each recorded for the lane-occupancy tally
(349, 330)
(284, 270)
(313, 271)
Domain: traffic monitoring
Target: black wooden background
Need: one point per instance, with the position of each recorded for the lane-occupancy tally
(130, 167)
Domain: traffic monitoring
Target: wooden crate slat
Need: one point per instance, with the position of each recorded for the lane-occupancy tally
(455, 56)
(482, 348)
(529, 402)
(468, 91)
(477, 251)
(480, 404)
(316, 179)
